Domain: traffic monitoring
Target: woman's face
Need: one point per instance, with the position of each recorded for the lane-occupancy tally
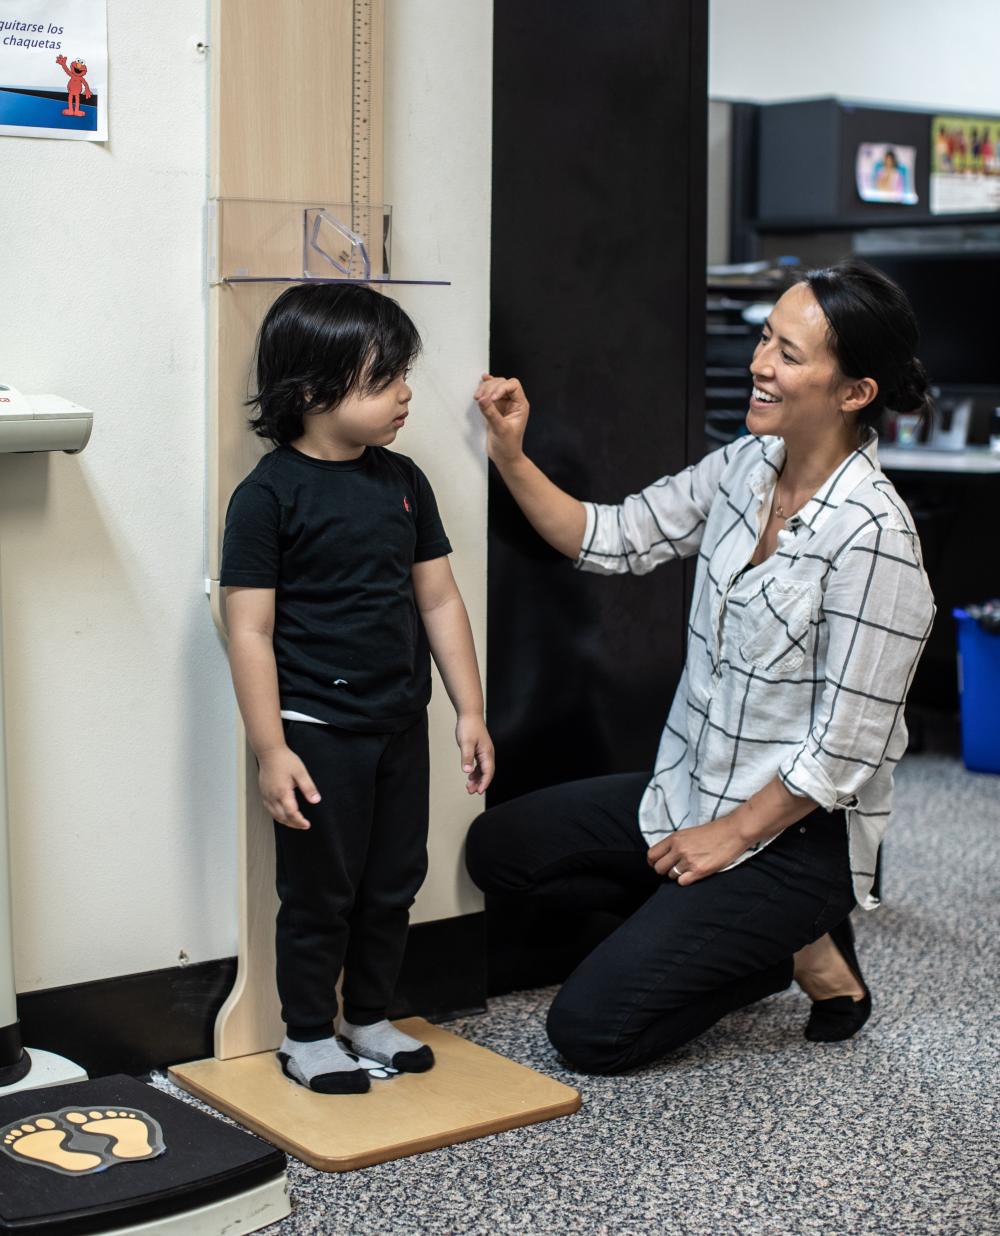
(799, 392)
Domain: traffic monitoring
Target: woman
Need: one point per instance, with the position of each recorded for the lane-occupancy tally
(889, 176)
(738, 860)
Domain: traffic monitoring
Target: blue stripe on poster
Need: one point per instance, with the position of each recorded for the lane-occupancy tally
(38, 112)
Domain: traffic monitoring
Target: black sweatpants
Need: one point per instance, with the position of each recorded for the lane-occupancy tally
(684, 956)
(347, 883)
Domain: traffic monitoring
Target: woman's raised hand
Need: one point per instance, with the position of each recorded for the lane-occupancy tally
(555, 516)
(504, 406)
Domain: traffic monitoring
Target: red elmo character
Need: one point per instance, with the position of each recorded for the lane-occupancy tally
(77, 74)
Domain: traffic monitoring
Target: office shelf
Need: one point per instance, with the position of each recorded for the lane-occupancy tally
(729, 344)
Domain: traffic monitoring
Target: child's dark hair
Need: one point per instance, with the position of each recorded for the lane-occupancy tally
(873, 334)
(318, 343)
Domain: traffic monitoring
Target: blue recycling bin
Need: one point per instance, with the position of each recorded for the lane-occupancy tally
(979, 690)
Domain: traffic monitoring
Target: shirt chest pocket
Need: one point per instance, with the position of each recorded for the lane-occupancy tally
(777, 622)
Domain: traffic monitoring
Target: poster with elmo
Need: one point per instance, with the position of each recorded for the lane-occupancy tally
(54, 69)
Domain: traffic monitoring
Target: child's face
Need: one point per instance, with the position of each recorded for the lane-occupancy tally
(371, 419)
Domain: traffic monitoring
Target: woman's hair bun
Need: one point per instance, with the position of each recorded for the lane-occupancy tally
(911, 393)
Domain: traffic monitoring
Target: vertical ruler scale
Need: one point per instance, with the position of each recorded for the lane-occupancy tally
(366, 94)
(361, 109)
(296, 117)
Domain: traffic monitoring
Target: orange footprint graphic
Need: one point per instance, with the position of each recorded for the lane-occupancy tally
(42, 1142)
(75, 1143)
(129, 1134)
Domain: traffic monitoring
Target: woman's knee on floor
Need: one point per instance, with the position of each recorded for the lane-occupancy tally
(488, 853)
(574, 1031)
(478, 847)
(476, 844)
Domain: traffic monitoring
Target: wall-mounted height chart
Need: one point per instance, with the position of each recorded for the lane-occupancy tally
(296, 125)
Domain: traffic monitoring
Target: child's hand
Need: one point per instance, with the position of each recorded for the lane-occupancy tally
(505, 408)
(281, 773)
(476, 746)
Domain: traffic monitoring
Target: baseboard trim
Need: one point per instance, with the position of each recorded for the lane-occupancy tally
(138, 1022)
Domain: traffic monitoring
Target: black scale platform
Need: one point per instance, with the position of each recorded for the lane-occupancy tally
(96, 1155)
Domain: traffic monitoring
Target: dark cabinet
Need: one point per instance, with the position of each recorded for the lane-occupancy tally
(806, 164)
(598, 305)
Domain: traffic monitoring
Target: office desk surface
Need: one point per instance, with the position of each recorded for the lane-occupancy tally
(978, 459)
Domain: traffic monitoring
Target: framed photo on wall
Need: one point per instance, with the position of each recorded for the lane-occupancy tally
(885, 172)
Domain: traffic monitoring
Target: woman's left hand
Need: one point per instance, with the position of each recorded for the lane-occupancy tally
(691, 854)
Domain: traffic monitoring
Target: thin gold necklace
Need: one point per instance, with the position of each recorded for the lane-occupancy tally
(779, 510)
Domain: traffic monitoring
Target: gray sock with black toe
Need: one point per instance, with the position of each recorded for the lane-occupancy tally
(322, 1066)
(384, 1043)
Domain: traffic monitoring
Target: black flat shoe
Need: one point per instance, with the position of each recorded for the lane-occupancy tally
(840, 1017)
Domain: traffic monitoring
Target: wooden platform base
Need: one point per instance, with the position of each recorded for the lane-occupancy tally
(470, 1092)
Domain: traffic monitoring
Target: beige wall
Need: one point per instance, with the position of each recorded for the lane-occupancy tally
(119, 710)
(117, 707)
(438, 156)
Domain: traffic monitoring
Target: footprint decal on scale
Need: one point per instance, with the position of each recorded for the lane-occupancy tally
(381, 1072)
(78, 1143)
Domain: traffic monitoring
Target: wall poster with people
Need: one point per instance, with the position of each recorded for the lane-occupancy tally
(965, 165)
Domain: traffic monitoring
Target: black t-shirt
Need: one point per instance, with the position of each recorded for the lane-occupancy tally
(337, 541)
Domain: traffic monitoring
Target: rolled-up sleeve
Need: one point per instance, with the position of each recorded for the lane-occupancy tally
(878, 610)
(665, 520)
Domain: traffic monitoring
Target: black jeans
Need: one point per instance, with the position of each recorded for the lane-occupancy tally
(683, 957)
(347, 883)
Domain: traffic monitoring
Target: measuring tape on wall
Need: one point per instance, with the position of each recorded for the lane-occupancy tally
(362, 123)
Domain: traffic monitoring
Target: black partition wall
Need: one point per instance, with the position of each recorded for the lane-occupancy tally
(597, 304)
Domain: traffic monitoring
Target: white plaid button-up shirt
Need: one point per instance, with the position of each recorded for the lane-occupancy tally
(796, 668)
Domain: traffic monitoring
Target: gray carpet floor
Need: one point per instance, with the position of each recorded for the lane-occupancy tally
(752, 1130)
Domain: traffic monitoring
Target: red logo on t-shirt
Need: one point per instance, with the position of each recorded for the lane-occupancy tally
(406, 504)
